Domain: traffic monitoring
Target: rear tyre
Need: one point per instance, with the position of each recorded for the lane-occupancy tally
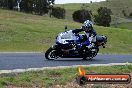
(88, 58)
(50, 54)
(95, 52)
(91, 55)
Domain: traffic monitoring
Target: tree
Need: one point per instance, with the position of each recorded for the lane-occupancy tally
(41, 7)
(91, 2)
(38, 6)
(81, 15)
(9, 4)
(124, 13)
(58, 12)
(3, 3)
(26, 6)
(29, 6)
(51, 1)
(103, 18)
(130, 14)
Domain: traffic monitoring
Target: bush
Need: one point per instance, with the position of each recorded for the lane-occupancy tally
(9, 4)
(130, 14)
(40, 7)
(81, 15)
(104, 17)
(124, 13)
(58, 12)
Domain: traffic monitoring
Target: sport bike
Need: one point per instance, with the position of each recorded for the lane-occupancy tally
(68, 45)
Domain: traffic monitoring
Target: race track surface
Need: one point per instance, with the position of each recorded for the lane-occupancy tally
(9, 61)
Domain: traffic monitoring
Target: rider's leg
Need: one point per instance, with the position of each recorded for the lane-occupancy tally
(88, 43)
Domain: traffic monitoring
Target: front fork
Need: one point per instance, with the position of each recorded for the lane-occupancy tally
(58, 50)
(54, 46)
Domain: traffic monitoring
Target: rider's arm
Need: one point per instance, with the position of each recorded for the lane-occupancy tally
(77, 31)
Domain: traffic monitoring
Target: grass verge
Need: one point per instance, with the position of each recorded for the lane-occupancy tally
(116, 6)
(124, 25)
(48, 78)
(26, 32)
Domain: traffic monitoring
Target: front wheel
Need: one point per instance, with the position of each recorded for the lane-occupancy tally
(50, 54)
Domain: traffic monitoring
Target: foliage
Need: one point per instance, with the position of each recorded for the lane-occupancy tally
(49, 77)
(38, 6)
(124, 13)
(9, 4)
(58, 12)
(29, 6)
(26, 32)
(130, 14)
(124, 25)
(81, 15)
(26, 5)
(103, 18)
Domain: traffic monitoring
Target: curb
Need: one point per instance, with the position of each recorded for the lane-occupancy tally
(59, 67)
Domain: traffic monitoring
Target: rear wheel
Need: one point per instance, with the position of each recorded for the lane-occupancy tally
(50, 54)
(87, 57)
(93, 53)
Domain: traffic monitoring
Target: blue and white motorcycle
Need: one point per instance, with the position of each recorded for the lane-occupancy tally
(67, 45)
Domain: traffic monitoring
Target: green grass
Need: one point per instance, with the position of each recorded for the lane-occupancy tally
(124, 25)
(117, 40)
(116, 7)
(48, 77)
(26, 32)
(20, 32)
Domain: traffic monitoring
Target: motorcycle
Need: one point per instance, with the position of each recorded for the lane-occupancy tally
(68, 45)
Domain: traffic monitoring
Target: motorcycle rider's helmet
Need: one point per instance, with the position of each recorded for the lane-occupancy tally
(87, 26)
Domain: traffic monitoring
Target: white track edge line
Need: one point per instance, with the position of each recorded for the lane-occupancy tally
(58, 67)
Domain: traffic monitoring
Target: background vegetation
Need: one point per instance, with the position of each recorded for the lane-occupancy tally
(26, 32)
(49, 78)
(116, 6)
(81, 15)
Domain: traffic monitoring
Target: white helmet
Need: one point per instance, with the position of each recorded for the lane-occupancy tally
(88, 25)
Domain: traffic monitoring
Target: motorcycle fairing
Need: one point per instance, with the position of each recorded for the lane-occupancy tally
(65, 37)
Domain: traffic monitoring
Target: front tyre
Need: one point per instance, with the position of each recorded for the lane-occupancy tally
(50, 54)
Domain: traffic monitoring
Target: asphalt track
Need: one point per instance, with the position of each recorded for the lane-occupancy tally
(9, 61)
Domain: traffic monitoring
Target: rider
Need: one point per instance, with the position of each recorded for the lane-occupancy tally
(89, 32)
